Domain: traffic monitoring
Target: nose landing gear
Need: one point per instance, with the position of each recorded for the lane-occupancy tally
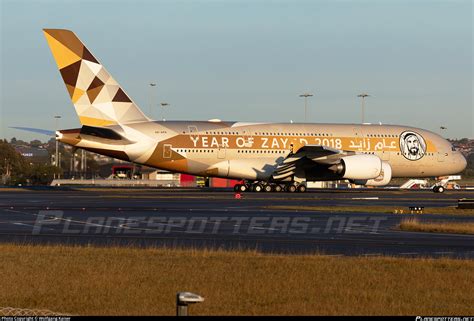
(445, 182)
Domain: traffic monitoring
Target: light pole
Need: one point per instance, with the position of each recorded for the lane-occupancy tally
(56, 156)
(152, 84)
(163, 105)
(306, 95)
(83, 163)
(363, 95)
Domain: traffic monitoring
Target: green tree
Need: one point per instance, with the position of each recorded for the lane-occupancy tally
(15, 169)
(35, 143)
(15, 141)
(469, 171)
(42, 174)
(13, 166)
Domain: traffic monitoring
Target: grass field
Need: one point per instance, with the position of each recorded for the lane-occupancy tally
(131, 281)
(413, 224)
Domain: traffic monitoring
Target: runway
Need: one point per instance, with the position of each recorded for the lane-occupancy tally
(214, 218)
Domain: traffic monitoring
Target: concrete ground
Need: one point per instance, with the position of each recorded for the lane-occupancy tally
(214, 218)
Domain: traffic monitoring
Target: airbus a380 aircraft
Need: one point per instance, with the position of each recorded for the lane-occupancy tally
(266, 156)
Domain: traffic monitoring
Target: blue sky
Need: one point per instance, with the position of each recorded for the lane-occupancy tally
(249, 60)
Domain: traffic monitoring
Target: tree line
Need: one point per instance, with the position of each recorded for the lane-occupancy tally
(15, 169)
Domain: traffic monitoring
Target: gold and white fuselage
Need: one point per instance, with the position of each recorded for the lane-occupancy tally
(253, 151)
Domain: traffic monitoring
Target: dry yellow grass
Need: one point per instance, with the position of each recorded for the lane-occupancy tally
(413, 224)
(371, 209)
(131, 281)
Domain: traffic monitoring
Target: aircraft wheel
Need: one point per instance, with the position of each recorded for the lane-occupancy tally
(237, 188)
(440, 189)
(291, 188)
(301, 188)
(257, 188)
(278, 188)
(268, 188)
(242, 188)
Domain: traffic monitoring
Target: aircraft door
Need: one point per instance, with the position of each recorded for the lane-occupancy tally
(221, 152)
(442, 156)
(247, 135)
(385, 155)
(193, 130)
(358, 142)
(356, 131)
(167, 150)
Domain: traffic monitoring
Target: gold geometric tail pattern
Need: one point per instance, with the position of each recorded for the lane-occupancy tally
(98, 98)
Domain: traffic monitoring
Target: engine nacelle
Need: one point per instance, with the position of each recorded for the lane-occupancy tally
(361, 167)
(381, 180)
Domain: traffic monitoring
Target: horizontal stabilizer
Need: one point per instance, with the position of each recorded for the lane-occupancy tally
(36, 130)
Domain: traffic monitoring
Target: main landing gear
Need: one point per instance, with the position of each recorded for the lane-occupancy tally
(270, 187)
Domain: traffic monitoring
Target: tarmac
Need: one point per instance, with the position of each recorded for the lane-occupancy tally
(214, 218)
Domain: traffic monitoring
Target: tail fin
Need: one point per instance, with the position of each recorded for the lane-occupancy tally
(98, 98)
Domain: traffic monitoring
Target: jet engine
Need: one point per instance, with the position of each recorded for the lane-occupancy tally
(358, 167)
(381, 180)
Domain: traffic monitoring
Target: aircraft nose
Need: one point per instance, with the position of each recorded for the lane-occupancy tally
(462, 162)
(459, 162)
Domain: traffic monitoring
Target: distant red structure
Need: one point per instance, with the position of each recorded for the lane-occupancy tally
(190, 180)
(186, 180)
(222, 182)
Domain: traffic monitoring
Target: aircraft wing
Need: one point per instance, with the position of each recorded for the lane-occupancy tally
(308, 155)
